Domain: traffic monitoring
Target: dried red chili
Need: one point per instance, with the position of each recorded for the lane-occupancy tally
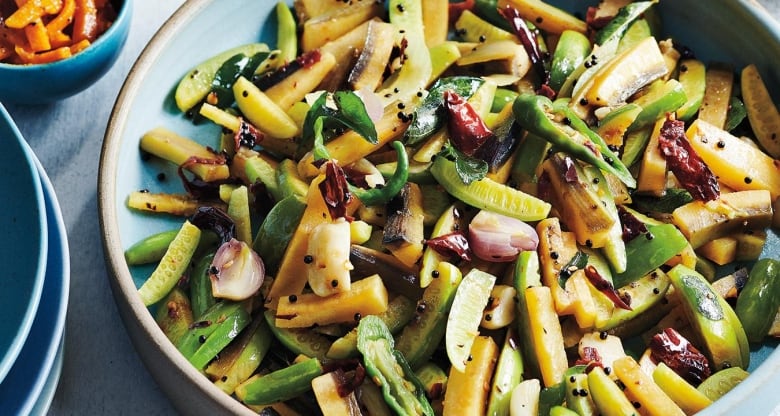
(694, 175)
(451, 245)
(531, 46)
(335, 191)
(605, 286)
(680, 355)
(456, 9)
(468, 131)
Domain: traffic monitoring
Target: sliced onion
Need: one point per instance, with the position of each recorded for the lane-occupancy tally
(373, 103)
(498, 238)
(237, 272)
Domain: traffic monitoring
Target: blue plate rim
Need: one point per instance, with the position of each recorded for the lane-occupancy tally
(31, 372)
(9, 357)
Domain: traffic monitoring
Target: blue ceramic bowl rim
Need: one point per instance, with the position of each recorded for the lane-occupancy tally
(8, 357)
(24, 384)
(122, 20)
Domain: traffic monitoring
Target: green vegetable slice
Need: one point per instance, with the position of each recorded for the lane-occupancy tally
(172, 266)
(402, 390)
(488, 194)
(196, 84)
(466, 314)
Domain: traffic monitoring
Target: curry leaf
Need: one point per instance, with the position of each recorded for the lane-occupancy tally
(469, 168)
(350, 112)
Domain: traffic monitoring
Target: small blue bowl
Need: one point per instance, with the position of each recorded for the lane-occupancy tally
(44, 83)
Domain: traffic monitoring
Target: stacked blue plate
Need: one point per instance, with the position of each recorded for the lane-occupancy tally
(34, 285)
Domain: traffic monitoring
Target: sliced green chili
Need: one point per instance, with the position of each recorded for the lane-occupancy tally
(280, 385)
(758, 302)
(381, 195)
(401, 388)
(536, 114)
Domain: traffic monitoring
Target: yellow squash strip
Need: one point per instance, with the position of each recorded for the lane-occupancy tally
(622, 76)
(737, 164)
(351, 147)
(719, 81)
(182, 205)
(653, 401)
(177, 149)
(585, 305)
(327, 389)
(652, 171)
(331, 25)
(721, 251)
(366, 297)
(292, 275)
(555, 252)
(220, 116)
(545, 16)
(546, 334)
(467, 391)
(262, 111)
(435, 21)
(301, 82)
(701, 222)
(680, 391)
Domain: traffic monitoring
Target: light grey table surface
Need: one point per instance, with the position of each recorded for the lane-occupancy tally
(102, 374)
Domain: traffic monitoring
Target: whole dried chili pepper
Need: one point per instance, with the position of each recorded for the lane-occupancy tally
(467, 130)
(694, 175)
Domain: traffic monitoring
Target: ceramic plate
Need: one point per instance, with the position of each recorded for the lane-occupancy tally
(23, 244)
(731, 30)
(22, 388)
(43, 403)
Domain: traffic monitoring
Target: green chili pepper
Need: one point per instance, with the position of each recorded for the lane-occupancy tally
(277, 229)
(647, 252)
(502, 97)
(758, 301)
(201, 295)
(537, 114)
(381, 195)
(488, 10)
(151, 249)
(219, 325)
(401, 388)
(280, 385)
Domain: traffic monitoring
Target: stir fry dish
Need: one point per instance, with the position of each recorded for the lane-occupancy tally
(44, 31)
(467, 208)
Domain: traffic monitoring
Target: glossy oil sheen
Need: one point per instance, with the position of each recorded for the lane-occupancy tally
(726, 30)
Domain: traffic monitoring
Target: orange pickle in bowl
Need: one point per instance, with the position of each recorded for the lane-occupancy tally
(45, 31)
